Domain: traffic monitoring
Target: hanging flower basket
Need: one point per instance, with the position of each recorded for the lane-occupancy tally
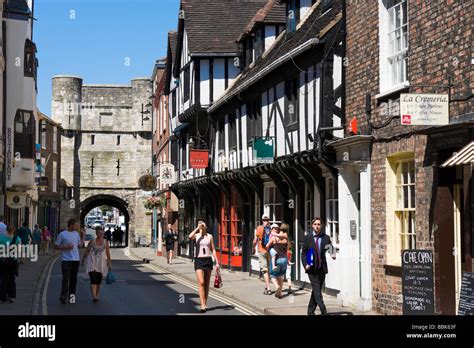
(154, 202)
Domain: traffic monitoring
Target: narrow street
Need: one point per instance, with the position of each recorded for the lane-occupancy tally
(139, 290)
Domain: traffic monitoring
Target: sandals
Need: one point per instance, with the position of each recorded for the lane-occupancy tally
(267, 292)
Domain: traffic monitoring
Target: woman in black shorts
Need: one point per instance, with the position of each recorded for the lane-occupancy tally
(203, 255)
(98, 261)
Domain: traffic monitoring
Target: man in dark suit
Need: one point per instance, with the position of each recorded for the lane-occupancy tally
(313, 257)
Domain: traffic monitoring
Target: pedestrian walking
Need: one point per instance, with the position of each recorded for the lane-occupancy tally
(280, 245)
(285, 228)
(108, 236)
(26, 237)
(8, 266)
(45, 240)
(170, 239)
(69, 241)
(262, 236)
(99, 261)
(313, 257)
(3, 227)
(36, 235)
(204, 254)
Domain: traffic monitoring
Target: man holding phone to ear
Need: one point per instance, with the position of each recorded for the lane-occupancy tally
(313, 257)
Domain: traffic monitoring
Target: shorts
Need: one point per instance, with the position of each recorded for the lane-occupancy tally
(263, 261)
(204, 263)
(280, 269)
(169, 247)
(95, 277)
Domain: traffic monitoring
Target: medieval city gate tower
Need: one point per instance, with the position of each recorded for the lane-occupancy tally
(105, 148)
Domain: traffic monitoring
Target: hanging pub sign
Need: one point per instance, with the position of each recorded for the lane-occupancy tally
(16, 200)
(198, 159)
(417, 282)
(167, 176)
(263, 150)
(424, 109)
(147, 182)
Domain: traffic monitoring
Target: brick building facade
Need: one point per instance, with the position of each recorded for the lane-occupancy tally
(432, 41)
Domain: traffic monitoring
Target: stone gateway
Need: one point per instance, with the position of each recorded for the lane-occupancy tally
(106, 148)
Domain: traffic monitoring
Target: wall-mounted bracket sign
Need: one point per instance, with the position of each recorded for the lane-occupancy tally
(263, 150)
(147, 182)
(198, 159)
(417, 282)
(424, 109)
(167, 174)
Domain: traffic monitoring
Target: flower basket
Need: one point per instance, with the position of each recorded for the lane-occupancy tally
(154, 202)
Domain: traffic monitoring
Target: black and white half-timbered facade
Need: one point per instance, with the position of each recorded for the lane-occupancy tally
(205, 62)
(289, 92)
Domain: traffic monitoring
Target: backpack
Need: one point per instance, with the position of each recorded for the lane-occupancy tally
(265, 236)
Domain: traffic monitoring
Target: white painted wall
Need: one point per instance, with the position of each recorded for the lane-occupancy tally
(205, 82)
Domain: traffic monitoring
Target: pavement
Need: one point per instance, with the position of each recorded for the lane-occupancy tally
(28, 285)
(247, 289)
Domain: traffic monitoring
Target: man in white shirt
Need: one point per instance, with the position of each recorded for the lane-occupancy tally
(69, 241)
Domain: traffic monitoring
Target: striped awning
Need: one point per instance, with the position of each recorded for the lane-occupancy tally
(463, 156)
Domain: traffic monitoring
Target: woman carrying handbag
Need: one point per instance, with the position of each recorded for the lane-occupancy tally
(204, 254)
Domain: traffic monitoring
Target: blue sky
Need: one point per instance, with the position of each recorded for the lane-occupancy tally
(95, 39)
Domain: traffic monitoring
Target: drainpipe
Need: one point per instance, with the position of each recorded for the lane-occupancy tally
(4, 118)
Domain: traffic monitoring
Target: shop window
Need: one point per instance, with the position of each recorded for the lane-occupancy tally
(332, 210)
(273, 204)
(24, 137)
(401, 206)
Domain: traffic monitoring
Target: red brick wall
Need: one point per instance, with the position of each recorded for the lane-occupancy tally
(440, 41)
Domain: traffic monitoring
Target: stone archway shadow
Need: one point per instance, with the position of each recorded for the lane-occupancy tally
(112, 201)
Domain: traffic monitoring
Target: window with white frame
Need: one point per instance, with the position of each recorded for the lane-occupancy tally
(398, 39)
(55, 139)
(332, 210)
(393, 43)
(55, 177)
(405, 208)
(273, 204)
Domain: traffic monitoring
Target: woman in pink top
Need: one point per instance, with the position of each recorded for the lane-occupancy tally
(45, 240)
(204, 253)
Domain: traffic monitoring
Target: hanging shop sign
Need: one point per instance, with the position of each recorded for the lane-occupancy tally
(147, 182)
(424, 109)
(16, 200)
(417, 282)
(198, 159)
(263, 150)
(167, 174)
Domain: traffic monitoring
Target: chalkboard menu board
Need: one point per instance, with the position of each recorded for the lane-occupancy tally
(466, 299)
(417, 282)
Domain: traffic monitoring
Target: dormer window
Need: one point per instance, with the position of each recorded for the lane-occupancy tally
(259, 43)
(248, 51)
(292, 15)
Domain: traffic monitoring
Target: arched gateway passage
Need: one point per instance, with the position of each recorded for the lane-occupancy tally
(112, 201)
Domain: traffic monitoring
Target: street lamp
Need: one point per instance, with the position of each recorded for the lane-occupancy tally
(145, 112)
